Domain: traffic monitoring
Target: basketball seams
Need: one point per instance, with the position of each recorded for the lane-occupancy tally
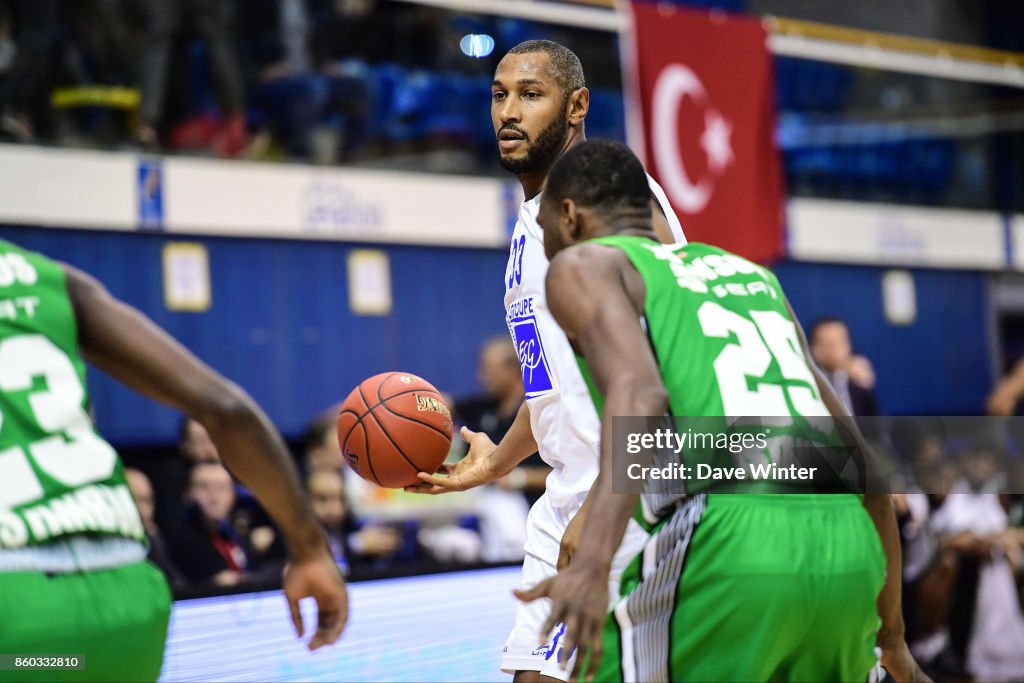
(366, 451)
(383, 402)
(414, 466)
(366, 444)
(400, 393)
(366, 436)
(416, 421)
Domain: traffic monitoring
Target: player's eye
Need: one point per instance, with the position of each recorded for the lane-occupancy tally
(531, 95)
(497, 96)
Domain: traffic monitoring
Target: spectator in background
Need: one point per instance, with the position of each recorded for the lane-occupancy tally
(35, 29)
(929, 570)
(351, 545)
(986, 622)
(494, 411)
(861, 371)
(428, 41)
(322, 451)
(497, 370)
(206, 547)
(248, 518)
(503, 507)
(363, 29)
(195, 446)
(833, 352)
(159, 553)
(301, 97)
(47, 46)
(320, 443)
(214, 20)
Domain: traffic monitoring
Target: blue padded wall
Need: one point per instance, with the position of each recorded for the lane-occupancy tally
(280, 323)
(939, 365)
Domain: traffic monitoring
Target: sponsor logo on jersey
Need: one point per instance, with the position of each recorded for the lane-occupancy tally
(522, 324)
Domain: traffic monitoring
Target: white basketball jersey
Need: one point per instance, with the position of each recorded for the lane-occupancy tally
(562, 415)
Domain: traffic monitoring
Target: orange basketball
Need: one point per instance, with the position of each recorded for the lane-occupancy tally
(392, 426)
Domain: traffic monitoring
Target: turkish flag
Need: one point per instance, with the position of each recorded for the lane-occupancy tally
(703, 90)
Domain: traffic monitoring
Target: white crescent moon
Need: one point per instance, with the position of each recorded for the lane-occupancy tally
(674, 83)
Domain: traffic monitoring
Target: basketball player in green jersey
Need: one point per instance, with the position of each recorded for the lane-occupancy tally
(745, 587)
(73, 573)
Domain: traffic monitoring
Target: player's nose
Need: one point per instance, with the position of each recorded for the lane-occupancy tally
(508, 111)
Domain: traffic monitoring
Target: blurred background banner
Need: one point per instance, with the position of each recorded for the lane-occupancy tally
(706, 97)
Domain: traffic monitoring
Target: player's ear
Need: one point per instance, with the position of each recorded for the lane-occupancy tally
(568, 226)
(578, 106)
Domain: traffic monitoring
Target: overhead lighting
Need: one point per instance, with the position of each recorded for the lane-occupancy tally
(476, 45)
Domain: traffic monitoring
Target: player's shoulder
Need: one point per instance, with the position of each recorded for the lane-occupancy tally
(588, 261)
(699, 249)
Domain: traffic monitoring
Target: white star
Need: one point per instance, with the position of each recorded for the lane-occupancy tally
(716, 141)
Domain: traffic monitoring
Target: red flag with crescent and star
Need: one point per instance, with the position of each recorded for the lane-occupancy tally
(703, 89)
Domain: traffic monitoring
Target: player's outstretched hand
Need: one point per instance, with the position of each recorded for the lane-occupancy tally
(317, 577)
(900, 664)
(476, 469)
(579, 599)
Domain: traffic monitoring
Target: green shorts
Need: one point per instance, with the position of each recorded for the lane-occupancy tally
(115, 618)
(751, 587)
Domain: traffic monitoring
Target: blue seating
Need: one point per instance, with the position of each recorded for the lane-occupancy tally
(807, 86)
(385, 82)
(200, 86)
(822, 152)
(606, 118)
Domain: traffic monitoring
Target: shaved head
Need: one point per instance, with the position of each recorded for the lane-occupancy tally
(563, 63)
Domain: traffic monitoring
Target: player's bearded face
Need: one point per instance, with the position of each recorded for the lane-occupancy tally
(540, 151)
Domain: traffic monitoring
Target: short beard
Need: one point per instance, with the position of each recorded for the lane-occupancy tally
(542, 152)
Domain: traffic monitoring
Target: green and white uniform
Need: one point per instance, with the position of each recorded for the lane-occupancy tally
(73, 575)
(744, 586)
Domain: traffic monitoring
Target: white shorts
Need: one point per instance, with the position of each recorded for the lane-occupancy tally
(522, 651)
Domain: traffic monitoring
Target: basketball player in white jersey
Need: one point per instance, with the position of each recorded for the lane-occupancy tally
(538, 107)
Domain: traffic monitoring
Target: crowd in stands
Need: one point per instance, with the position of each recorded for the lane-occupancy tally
(961, 516)
(313, 80)
(384, 82)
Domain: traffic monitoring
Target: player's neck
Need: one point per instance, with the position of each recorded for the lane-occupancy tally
(532, 183)
(635, 231)
(627, 224)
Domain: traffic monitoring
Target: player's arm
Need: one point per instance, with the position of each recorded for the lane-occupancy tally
(129, 347)
(891, 636)
(485, 462)
(1004, 398)
(588, 296)
(518, 443)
